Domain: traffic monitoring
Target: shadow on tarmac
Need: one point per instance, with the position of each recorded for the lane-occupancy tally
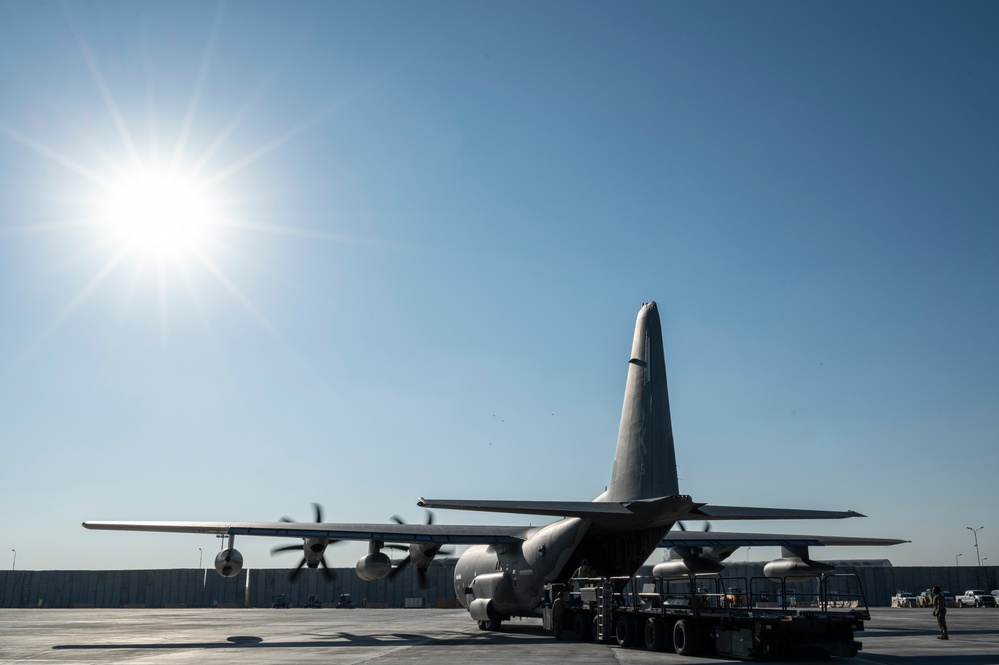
(915, 632)
(331, 640)
(949, 659)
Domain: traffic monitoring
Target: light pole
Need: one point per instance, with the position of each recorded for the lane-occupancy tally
(975, 531)
(956, 564)
(200, 555)
(13, 565)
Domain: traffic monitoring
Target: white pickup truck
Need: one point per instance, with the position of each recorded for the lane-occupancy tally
(925, 598)
(976, 598)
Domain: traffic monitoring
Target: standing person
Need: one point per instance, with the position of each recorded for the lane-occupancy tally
(940, 612)
(585, 570)
(558, 615)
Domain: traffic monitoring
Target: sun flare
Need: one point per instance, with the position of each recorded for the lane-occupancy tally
(159, 214)
(154, 215)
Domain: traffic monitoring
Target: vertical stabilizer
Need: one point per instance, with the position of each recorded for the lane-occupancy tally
(645, 461)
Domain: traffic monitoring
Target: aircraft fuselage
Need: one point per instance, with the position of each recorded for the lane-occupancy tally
(511, 578)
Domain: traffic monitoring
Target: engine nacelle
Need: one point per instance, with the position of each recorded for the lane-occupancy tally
(694, 565)
(795, 565)
(422, 555)
(374, 566)
(795, 568)
(229, 562)
(313, 551)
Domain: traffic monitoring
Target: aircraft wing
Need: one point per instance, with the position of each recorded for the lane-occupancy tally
(722, 539)
(409, 533)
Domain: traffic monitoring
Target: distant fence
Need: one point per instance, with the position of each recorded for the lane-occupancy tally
(205, 588)
(257, 587)
(881, 582)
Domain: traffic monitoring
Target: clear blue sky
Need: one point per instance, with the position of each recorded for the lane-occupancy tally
(427, 229)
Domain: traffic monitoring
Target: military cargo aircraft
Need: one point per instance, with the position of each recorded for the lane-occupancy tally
(503, 573)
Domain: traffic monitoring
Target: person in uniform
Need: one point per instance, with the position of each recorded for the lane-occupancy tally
(585, 570)
(940, 612)
(558, 615)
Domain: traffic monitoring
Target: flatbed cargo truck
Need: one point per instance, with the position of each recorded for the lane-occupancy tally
(756, 619)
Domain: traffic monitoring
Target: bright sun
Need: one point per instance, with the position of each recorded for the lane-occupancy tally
(159, 214)
(154, 222)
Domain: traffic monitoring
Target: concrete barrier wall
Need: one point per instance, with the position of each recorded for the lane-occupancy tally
(881, 582)
(256, 588)
(205, 588)
(119, 588)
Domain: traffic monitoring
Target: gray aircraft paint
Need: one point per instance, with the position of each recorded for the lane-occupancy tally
(645, 459)
(503, 572)
(508, 580)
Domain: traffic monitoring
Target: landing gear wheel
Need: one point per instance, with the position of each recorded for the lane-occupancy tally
(493, 624)
(655, 634)
(482, 625)
(685, 638)
(625, 632)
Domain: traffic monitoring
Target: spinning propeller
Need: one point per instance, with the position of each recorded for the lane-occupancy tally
(313, 550)
(424, 553)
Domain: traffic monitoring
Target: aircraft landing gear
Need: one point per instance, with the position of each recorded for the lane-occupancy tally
(490, 624)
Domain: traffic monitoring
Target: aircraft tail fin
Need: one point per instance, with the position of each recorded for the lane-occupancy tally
(645, 459)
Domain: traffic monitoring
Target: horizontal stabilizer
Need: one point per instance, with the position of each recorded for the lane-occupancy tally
(552, 508)
(709, 512)
(721, 539)
(647, 512)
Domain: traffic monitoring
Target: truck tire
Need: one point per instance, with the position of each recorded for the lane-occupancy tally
(625, 632)
(655, 634)
(581, 628)
(685, 638)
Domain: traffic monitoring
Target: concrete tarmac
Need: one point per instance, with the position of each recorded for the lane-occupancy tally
(398, 636)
